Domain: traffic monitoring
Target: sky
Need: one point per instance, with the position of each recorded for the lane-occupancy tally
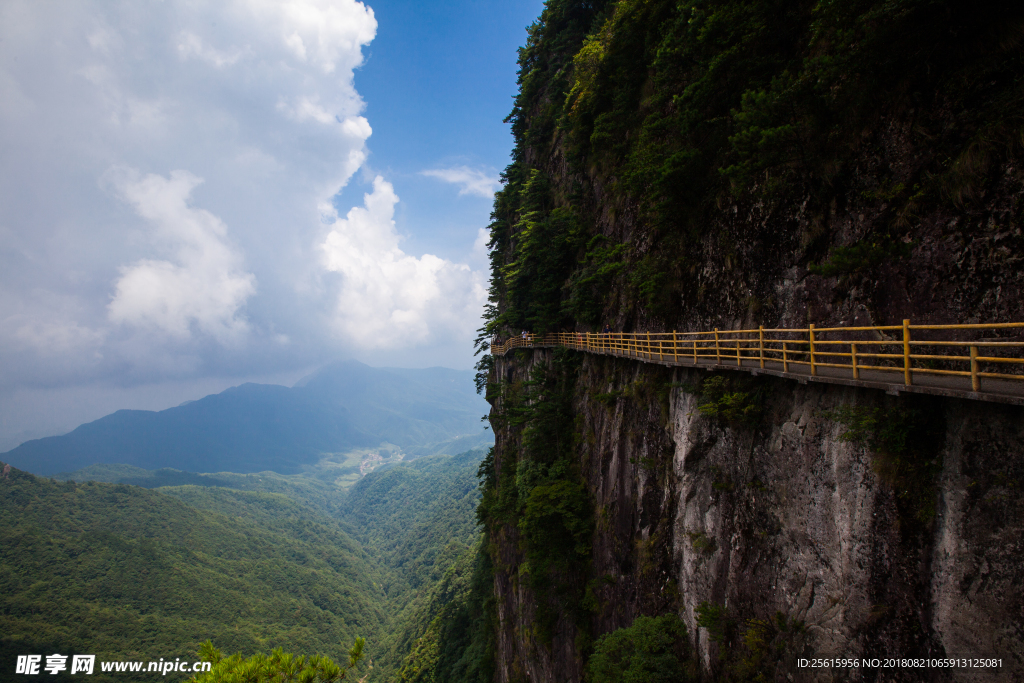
(198, 194)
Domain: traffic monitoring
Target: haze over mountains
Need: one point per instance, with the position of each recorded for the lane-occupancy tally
(260, 427)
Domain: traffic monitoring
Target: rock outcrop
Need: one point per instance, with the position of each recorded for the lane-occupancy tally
(863, 552)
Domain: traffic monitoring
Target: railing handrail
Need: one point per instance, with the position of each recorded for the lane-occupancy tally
(762, 348)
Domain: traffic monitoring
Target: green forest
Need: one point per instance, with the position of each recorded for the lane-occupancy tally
(661, 143)
(132, 573)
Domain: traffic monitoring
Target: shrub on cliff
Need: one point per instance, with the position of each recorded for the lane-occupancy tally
(651, 650)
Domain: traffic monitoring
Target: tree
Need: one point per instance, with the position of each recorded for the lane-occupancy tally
(278, 667)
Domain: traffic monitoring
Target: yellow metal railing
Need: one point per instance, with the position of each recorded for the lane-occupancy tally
(857, 353)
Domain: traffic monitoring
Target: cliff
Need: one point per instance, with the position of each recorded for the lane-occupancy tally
(724, 164)
(794, 537)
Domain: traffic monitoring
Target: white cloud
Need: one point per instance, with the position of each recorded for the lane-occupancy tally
(191, 46)
(255, 96)
(324, 32)
(390, 299)
(157, 278)
(470, 181)
(203, 287)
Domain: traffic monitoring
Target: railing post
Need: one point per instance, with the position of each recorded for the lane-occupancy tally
(907, 379)
(760, 344)
(650, 351)
(739, 362)
(853, 360)
(675, 348)
(975, 380)
(810, 334)
(718, 350)
(694, 350)
(785, 357)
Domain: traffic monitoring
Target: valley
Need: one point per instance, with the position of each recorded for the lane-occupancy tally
(251, 562)
(121, 561)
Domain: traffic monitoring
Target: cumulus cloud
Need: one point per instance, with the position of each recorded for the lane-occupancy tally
(191, 46)
(255, 96)
(470, 181)
(203, 287)
(388, 298)
(326, 33)
(151, 275)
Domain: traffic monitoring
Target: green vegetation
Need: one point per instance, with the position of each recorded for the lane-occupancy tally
(456, 624)
(638, 121)
(129, 573)
(903, 440)
(701, 542)
(751, 649)
(319, 486)
(418, 519)
(860, 258)
(278, 666)
(541, 492)
(651, 650)
(721, 398)
(132, 573)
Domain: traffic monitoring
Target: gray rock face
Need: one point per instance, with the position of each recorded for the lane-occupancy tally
(818, 545)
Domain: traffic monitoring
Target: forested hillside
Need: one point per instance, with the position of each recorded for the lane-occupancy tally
(129, 573)
(420, 519)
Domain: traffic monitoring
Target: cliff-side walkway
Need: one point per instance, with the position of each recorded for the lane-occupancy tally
(983, 362)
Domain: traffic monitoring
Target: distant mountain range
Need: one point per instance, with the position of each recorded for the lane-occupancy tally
(261, 427)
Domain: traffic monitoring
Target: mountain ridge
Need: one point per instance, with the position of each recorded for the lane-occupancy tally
(257, 427)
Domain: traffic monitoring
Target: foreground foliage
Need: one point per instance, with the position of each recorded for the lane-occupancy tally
(278, 667)
(651, 650)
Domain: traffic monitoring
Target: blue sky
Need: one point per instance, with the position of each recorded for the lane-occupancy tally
(197, 194)
(439, 80)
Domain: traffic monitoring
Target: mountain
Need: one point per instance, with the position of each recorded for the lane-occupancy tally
(125, 572)
(259, 427)
(418, 520)
(685, 165)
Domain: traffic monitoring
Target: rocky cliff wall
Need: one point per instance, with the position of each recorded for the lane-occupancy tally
(822, 521)
(691, 165)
